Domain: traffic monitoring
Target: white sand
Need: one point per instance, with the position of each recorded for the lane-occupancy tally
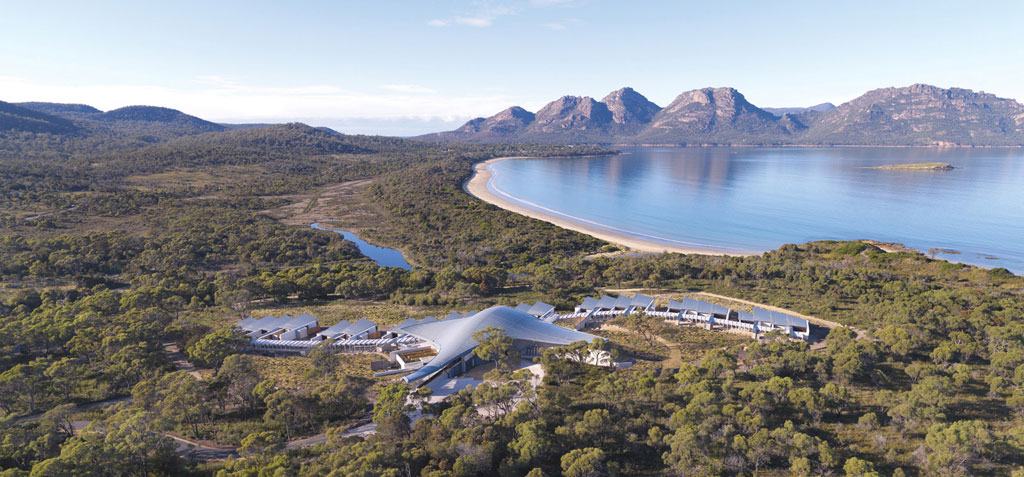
(477, 187)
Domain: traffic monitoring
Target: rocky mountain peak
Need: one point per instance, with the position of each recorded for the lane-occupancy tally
(708, 109)
(629, 107)
(929, 114)
(505, 122)
(573, 112)
(919, 114)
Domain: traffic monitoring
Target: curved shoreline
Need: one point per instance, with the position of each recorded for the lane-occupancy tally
(477, 186)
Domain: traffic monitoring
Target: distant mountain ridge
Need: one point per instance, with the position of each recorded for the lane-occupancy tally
(282, 138)
(167, 136)
(151, 123)
(17, 118)
(817, 107)
(916, 115)
(147, 116)
(64, 110)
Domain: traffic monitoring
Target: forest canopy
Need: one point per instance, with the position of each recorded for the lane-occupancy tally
(127, 250)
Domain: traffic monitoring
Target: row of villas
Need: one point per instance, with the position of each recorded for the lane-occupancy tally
(757, 321)
(432, 347)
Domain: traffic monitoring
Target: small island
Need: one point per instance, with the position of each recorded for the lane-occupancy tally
(920, 166)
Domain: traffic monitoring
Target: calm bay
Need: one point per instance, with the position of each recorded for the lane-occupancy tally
(756, 199)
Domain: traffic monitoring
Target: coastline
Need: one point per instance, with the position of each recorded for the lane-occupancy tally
(476, 186)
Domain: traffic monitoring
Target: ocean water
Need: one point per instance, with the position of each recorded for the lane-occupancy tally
(756, 199)
(383, 256)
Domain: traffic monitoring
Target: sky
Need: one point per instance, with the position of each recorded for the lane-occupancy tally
(411, 67)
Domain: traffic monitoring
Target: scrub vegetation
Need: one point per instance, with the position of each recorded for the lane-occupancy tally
(115, 253)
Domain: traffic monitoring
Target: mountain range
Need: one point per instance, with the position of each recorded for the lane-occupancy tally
(917, 115)
(153, 122)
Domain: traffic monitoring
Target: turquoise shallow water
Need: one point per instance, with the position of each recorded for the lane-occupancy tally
(756, 199)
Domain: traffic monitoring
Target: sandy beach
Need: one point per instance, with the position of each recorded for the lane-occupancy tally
(477, 187)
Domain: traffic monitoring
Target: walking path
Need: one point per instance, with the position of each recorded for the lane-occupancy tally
(812, 319)
(204, 451)
(861, 334)
(178, 358)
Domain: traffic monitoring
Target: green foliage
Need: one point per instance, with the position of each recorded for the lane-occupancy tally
(494, 345)
(851, 248)
(954, 447)
(212, 349)
(857, 467)
(588, 462)
(390, 411)
(129, 260)
(324, 360)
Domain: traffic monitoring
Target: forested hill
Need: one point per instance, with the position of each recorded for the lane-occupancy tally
(292, 138)
(80, 122)
(917, 115)
(148, 117)
(20, 119)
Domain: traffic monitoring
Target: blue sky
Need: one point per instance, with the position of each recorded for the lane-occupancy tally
(397, 67)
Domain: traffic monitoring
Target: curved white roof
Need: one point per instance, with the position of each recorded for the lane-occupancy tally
(454, 339)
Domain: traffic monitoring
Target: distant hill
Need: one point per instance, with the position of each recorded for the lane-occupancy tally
(817, 107)
(14, 118)
(913, 115)
(129, 125)
(64, 110)
(506, 124)
(161, 137)
(233, 126)
(150, 119)
(292, 138)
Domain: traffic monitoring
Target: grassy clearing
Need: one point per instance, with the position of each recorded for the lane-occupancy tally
(694, 341)
(193, 178)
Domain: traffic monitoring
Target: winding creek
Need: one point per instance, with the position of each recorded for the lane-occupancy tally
(385, 257)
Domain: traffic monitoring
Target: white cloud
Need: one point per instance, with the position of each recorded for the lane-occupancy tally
(486, 12)
(478, 22)
(214, 80)
(555, 3)
(408, 88)
(483, 15)
(220, 99)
